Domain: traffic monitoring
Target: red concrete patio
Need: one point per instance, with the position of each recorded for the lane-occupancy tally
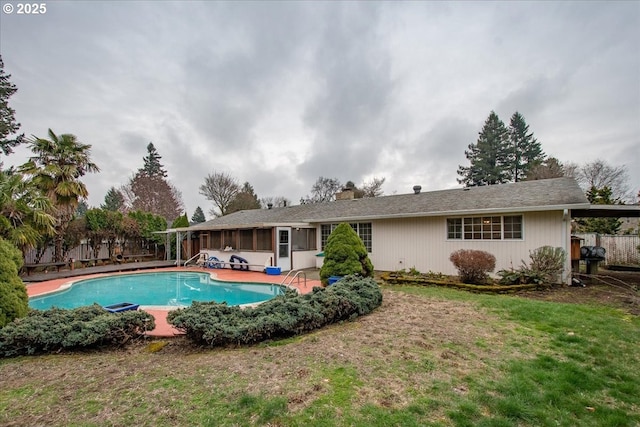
(163, 329)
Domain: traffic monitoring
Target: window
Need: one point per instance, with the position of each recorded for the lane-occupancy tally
(513, 227)
(304, 239)
(325, 231)
(246, 240)
(215, 240)
(485, 228)
(265, 243)
(363, 229)
(204, 240)
(283, 251)
(454, 228)
(229, 239)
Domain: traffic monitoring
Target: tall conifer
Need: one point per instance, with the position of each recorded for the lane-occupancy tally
(525, 151)
(152, 166)
(489, 156)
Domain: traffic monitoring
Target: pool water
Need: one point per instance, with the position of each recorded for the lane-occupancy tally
(174, 289)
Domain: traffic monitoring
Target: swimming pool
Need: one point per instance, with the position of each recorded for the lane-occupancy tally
(167, 289)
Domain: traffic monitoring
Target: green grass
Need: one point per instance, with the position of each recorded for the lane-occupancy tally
(588, 374)
(557, 365)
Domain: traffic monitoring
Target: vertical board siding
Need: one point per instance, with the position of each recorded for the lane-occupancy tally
(421, 243)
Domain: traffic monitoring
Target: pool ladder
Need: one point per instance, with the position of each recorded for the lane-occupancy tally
(298, 274)
(194, 257)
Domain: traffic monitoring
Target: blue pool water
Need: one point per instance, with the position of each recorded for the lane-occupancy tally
(177, 289)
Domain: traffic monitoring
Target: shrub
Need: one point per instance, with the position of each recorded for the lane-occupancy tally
(53, 330)
(547, 263)
(345, 254)
(473, 265)
(14, 302)
(521, 276)
(215, 324)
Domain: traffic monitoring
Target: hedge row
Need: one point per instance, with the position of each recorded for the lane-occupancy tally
(45, 331)
(213, 324)
(399, 279)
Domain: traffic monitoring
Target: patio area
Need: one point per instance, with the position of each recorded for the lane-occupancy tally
(163, 329)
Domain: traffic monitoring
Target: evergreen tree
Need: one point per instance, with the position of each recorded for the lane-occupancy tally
(600, 196)
(198, 216)
(152, 166)
(8, 125)
(245, 199)
(14, 301)
(526, 151)
(345, 254)
(82, 208)
(113, 200)
(489, 156)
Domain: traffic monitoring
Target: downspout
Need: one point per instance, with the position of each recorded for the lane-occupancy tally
(566, 237)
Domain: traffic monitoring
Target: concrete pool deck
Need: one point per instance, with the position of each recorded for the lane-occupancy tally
(163, 329)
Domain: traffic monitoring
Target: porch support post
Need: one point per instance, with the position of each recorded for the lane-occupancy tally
(167, 247)
(189, 254)
(178, 248)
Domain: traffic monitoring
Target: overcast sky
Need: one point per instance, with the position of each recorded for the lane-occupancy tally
(280, 93)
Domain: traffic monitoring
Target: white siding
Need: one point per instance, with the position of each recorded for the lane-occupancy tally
(422, 243)
(304, 259)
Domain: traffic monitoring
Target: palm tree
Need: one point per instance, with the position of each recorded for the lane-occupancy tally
(56, 167)
(25, 213)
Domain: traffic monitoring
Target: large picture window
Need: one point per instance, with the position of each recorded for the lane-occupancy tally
(485, 228)
(363, 229)
(304, 239)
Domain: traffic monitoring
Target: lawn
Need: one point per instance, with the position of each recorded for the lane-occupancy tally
(426, 357)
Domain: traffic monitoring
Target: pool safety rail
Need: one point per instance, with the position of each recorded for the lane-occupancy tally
(298, 274)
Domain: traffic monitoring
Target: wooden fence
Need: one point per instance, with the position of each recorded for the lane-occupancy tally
(85, 251)
(621, 249)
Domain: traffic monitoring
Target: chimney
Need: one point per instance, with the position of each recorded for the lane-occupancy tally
(416, 189)
(345, 194)
(269, 205)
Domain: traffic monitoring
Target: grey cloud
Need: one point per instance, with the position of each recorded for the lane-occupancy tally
(229, 92)
(348, 115)
(371, 88)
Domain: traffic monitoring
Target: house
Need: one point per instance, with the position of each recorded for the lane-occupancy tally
(417, 230)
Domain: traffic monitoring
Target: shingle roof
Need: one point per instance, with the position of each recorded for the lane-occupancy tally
(549, 194)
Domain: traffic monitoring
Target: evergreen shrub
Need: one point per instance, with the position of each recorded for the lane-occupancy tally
(473, 265)
(345, 254)
(46, 331)
(14, 302)
(213, 324)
